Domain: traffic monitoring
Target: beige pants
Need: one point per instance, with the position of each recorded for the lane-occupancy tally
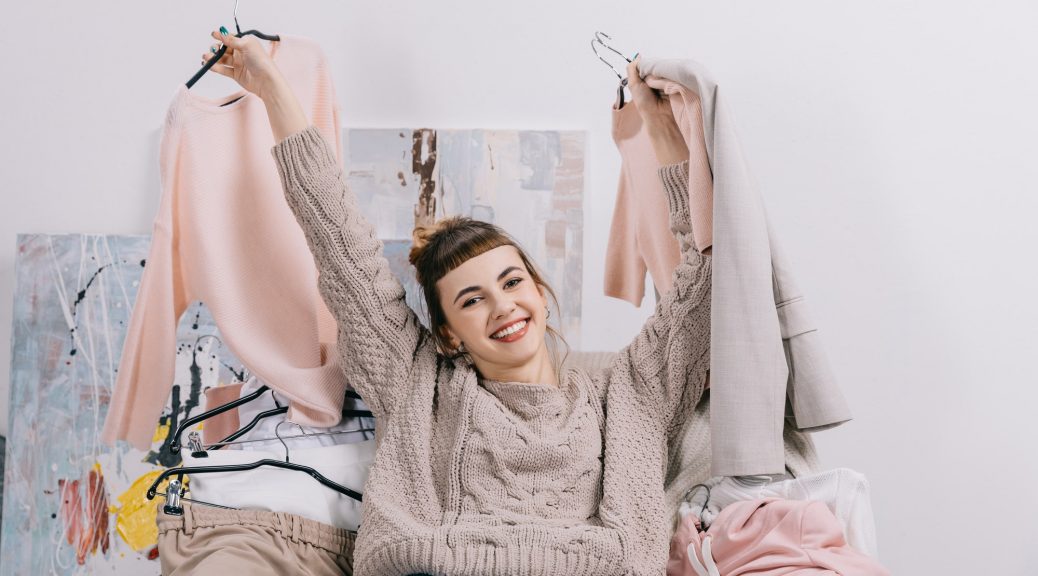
(212, 541)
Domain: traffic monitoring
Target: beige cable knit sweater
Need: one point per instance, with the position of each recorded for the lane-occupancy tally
(474, 477)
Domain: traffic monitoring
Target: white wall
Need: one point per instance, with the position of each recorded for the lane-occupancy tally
(895, 142)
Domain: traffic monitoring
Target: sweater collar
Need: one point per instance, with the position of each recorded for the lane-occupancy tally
(529, 400)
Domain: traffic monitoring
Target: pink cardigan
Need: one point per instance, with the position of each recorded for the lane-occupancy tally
(224, 235)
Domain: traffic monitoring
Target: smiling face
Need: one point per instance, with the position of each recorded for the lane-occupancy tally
(493, 306)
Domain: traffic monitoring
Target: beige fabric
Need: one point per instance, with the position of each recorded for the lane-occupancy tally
(496, 478)
(212, 541)
(765, 347)
(689, 446)
(689, 459)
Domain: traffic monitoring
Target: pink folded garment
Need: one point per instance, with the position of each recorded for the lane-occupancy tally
(768, 537)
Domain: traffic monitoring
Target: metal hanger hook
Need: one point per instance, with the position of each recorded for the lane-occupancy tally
(236, 26)
(280, 439)
(599, 40)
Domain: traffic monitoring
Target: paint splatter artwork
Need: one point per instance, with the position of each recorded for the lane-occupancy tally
(72, 504)
(530, 183)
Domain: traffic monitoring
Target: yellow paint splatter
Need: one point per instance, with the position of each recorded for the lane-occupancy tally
(161, 431)
(135, 517)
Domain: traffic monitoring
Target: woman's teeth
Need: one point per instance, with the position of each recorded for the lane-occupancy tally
(510, 330)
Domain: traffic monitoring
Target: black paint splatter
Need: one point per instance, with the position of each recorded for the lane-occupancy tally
(80, 296)
(82, 293)
(165, 456)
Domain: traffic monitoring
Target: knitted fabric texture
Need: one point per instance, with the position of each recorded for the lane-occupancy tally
(690, 449)
(476, 477)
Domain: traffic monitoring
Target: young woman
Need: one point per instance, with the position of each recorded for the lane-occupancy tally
(491, 459)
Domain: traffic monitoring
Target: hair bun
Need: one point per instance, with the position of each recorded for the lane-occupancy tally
(421, 236)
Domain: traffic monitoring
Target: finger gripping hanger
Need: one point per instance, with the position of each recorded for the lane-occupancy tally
(223, 49)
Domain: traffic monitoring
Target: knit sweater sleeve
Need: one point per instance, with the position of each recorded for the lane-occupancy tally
(671, 355)
(379, 335)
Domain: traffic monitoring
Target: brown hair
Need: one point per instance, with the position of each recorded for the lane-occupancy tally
(447, 244)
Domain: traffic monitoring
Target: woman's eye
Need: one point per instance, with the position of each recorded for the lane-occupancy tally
(469, 302)
(513, 282)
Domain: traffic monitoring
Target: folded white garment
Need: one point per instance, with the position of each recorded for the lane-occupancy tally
(280, 490)
(264, 435)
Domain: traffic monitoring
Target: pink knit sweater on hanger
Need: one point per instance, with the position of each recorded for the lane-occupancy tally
(225, 236)
(639, 237)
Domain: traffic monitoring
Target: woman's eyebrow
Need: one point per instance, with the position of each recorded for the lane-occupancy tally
(507, 271)
(500, 277)
(465, 291)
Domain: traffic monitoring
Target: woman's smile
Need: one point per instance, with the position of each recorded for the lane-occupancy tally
(512, 331)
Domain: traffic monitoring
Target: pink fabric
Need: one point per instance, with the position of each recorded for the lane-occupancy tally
(686, 533)
(772, 537)
(222, 425)
(225, 235)
(639, 239)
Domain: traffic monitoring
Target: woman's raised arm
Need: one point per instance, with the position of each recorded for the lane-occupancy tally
(671, 354)
(380, 337)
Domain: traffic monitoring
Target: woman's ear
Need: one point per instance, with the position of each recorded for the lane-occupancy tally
(450, 337)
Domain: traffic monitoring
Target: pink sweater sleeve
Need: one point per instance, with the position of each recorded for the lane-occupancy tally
(162, 297)
(625, 267)
(671, 355)
(379, 335)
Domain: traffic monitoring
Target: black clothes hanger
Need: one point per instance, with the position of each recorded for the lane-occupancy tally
(175, 445)
(201, 451)
(223, 49)
(620, 100)
(174, 492)
(189, 470)
(274, 412)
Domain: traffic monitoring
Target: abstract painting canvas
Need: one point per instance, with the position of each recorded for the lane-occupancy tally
(73, 505)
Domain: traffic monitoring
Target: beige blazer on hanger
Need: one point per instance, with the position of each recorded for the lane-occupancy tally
(765, 347)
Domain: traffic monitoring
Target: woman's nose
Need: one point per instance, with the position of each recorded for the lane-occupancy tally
(504, 305)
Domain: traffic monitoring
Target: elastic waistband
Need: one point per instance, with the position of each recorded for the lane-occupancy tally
(292, 527)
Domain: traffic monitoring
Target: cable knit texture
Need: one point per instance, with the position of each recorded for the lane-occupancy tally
(476, 477)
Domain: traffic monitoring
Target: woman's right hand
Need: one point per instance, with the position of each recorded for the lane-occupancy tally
(246, 62)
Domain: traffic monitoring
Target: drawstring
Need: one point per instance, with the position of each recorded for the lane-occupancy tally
(693, 558)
